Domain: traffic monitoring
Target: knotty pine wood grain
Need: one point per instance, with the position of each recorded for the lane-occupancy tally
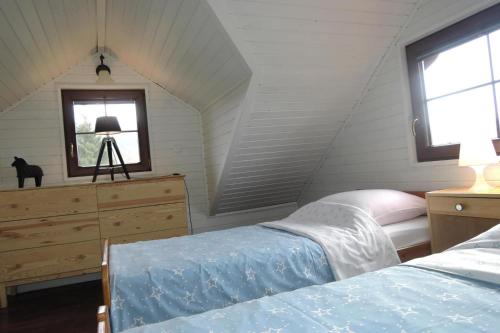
(22, 264)
(146, 192)
(142, 219)
(44, 202)
(47, 231)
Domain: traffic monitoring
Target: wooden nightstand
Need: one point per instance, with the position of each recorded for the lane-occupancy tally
(456, 215)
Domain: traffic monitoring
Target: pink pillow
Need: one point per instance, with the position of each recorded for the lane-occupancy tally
(385, 206)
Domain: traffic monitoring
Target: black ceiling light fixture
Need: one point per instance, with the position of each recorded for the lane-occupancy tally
(103, 72)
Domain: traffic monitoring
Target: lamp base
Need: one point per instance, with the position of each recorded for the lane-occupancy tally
(480, 185)
(109, 142)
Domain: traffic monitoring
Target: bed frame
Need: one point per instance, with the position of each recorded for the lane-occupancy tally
(419, 250)
(106, 291)
(406, 254)
(103, 323)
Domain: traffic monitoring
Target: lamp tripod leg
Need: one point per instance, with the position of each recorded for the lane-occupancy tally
(120, 158)
(98, 163)
(110, 158)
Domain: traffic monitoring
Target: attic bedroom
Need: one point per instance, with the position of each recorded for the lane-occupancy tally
(249, 166)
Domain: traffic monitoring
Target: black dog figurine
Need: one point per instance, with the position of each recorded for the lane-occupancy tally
(27, 171)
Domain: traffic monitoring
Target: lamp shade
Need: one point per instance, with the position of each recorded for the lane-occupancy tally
(477, 150)
(104, 77)
(107, 125)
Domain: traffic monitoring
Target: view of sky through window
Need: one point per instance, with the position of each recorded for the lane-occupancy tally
(88, 143)
(461, 90)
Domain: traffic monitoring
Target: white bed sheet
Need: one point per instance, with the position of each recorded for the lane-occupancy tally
(408, 233)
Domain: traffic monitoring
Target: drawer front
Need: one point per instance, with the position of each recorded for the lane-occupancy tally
(33, 233)
(25, 264)
(149, 236)
(139, 193)
(37, 203)
(142, 219)
(474, 207)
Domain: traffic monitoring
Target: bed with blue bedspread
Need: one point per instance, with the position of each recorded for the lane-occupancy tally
(187, 275)
(456, 291)
(158, 280)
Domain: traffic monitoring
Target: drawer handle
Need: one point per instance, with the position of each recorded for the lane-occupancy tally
(459, 207)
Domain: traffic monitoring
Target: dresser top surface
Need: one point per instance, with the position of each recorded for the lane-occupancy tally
(108, 182)
(465, 192)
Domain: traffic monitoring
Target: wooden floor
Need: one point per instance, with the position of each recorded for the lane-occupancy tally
(70, 309)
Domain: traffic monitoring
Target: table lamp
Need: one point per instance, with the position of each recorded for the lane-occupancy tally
(108, 126)
(477, 152)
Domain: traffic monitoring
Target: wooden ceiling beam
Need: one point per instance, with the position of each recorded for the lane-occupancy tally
(101, 25)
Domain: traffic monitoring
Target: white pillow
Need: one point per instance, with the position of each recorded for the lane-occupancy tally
(385, 206)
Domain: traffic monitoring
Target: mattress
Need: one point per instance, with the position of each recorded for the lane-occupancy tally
(408, 233)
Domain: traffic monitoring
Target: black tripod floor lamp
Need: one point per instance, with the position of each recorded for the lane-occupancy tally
(107, 126)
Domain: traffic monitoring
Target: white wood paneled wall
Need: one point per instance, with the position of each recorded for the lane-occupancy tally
(33, 130)
(376, 150)
(219, 121)
(179, 44)
(40, 40)
(311, 60)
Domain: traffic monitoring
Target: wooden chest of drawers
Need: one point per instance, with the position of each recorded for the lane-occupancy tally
(54, 232)
(457, 215)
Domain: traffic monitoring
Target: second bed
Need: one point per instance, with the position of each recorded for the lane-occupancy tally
(158, 280)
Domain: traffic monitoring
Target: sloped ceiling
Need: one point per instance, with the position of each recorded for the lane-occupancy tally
(178, 44)
(39, 40)
(312, 60)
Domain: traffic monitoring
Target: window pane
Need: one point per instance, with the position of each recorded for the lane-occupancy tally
(461, 67)
(88, 148)
(129, 147)
(450, 117)
(85, 116)
(495, 53)
(126, 114)
(497, 91)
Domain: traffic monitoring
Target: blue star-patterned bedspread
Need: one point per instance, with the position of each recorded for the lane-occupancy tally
(158, 280)
(399, 299)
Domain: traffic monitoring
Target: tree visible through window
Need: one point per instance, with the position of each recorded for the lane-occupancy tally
(83, 107)
(455, 85)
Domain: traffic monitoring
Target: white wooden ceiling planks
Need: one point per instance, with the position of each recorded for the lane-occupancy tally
(314, 58)
(178, 44)
(40, 40)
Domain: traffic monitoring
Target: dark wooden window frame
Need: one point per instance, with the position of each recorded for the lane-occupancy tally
(461, 32)
(69, 96)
